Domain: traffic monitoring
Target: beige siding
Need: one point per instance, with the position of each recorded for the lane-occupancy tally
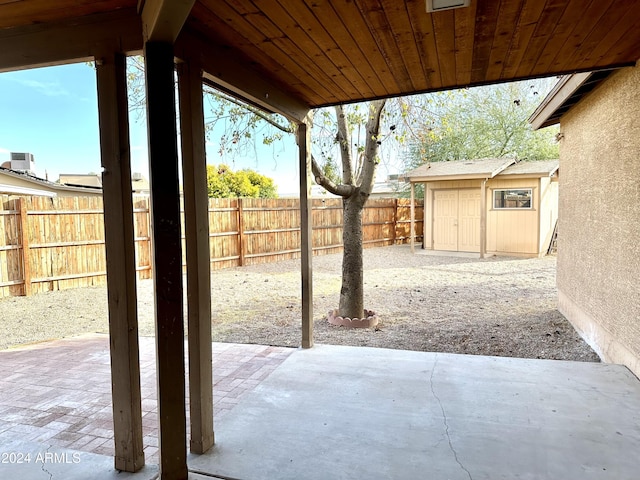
(513, 231)
(599, 239)
(548, 211)
(510, 232)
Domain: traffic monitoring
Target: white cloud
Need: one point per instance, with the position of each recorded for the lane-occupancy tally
(50, 89)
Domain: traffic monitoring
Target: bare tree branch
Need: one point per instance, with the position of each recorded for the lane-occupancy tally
(255, 111)
(320, 178)
(370, 160)
(344, 142)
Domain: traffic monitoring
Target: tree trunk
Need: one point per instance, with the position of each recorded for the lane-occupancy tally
(352, 292)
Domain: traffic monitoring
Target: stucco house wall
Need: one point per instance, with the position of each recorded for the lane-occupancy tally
(599, 228)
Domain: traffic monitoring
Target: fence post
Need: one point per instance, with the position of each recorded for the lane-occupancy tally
(395, 221)
(413, 217)
(24, 244)
(240, 232)
(149, 245)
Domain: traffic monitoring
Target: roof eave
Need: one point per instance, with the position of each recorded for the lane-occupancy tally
(565, 87)
(567, 92)
(440, 178)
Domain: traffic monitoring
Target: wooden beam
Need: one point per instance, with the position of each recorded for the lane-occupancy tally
(223, 70)
(196, 215)
(71, 41)
(167, 259)
(121, 266)
(554, 100)
(162, 20)
(424, 213)
(483, 218)
(306, 233)
(412, 231)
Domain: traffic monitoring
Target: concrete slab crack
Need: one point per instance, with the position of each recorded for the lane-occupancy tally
(44, 462)
(445, 420)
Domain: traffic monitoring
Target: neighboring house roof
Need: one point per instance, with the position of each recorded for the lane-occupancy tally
(565, 94)
(139, 184)
(84, 180)
(7, 189)
(463, 169)
(542, 168)
(40, 184)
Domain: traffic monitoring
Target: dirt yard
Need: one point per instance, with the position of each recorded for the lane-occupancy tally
(497, 306)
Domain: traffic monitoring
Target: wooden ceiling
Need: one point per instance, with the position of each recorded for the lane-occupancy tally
(323, 52)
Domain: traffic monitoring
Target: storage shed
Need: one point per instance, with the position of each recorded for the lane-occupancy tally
(489, 206)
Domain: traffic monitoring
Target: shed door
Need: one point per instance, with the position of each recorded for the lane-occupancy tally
(445, 220)
(469, 221)
(456, 220)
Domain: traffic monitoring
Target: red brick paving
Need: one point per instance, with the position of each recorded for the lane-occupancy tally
(59, 393)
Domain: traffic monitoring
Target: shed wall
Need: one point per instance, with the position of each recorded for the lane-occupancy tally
(598, 240)
(513, 231)
(548, 211)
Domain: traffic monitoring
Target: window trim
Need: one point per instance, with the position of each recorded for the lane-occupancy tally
(493, 198)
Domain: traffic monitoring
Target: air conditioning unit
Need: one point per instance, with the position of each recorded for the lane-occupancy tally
(22, 161)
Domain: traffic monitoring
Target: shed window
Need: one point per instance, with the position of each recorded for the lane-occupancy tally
(516, 198)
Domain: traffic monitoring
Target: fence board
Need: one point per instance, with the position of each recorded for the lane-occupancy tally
(11, 276)
(65, 236)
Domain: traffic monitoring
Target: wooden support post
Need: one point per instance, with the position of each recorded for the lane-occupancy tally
(167, 259)
(121, 267)
(240, 232)
(24, 245)
(196, 214)
(412, 233)
(483, 218)
(306, 233)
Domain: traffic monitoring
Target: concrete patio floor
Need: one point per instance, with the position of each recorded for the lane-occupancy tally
(352, 412)
(56, 397)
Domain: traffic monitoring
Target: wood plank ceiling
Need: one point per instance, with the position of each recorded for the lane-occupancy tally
(324, 52)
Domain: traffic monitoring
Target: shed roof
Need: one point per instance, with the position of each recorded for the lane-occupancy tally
(542, 168)
(463, 169)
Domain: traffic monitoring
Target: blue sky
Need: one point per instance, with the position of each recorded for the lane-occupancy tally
(52, 113)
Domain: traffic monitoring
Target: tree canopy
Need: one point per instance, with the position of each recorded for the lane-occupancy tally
(483, 122)
(223, 182)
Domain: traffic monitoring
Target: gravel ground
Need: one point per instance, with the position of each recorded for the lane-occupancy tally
(497, 306)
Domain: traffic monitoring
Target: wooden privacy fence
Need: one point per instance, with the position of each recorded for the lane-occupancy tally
(57, 243)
